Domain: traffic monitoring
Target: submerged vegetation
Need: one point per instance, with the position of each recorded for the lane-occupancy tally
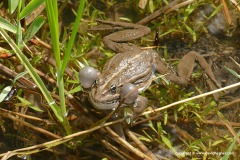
(43, 107)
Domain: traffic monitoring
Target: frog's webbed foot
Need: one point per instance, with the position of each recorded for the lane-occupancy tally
(185, 69)
(117, 41)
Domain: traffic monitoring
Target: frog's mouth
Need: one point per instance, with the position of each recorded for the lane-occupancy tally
(103, 105)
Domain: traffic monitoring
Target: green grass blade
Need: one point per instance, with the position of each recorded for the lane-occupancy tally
(33, 74)
(52, 14)
(33, 28)
(5, 92)
(230, 148)
(19, 76)
(73, 35)
(19, 35)
(7, 25)
(12, 5)
(19, 28)
(232, 72)
(33, 5)
(27, 103)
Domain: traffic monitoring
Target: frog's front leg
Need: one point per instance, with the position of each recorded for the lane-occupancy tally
(130, 96)
(139, 106)
(130, 31)
(185, 69)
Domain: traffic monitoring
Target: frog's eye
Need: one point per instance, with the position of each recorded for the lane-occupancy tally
(113, 88)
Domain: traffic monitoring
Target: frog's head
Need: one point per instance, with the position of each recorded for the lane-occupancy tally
(104, 97)
(106, 93)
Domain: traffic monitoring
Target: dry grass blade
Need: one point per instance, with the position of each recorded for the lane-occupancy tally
(123, 142)
(235, 62)
(47, 145)
(140, 144)
(180, 5)
(192, 98)
(229, 126)
(221, 123)
(226, 13)
(43, 131)
(236, 4)
(25, 116)
(119, 152)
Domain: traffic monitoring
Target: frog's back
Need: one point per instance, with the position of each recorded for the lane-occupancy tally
(129, 67)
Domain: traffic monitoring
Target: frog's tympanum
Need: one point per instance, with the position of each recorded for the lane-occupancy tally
(132, 70)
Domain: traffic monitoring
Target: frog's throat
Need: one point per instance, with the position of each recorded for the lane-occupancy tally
(111, 105)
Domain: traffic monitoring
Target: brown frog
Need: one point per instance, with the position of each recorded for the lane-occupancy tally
(132, 70)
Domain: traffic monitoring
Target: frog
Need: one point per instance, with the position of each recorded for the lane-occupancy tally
(132, 69)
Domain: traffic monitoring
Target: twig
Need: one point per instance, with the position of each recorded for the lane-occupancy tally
(228, 125)
(236, 4)
(192, 98)
(30, 85)
(183, 133)
(180, 5)
(235, 62)
(98, 154)
(42, 43)
(234, 124)
(140, 144)
(164, 10)
(158, 13)
(43, 131)
(119, 153)
(145, 120)
(226, 13)
(50, 60)
(229, 104)
(13, 74)
(123, 142)
(26, 116)
(53, 143)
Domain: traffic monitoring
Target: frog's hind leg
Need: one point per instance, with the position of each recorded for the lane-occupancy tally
(185, 69)
(186, 66)
(116, 41)
(125, 25)
(162, 68)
